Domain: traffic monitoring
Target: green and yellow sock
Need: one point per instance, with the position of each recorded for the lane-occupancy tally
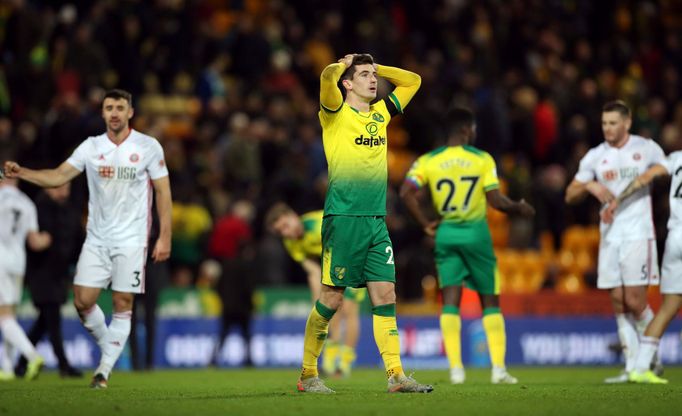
(451, 328)
(316, 329)
(330, 357)
(493, 323)
(387, 337)
(347, 359)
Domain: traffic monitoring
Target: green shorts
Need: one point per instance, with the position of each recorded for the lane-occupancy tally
(356, 250)
(356, 295)
(464, 255)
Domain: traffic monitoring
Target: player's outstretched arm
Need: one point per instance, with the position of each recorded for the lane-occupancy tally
(409, 193)
(45, 178)
(503, 203)
(330, 95)
(406, 83)
(164, 207)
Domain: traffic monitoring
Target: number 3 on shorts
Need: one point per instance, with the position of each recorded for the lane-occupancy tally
(137, 279)
(389, 251)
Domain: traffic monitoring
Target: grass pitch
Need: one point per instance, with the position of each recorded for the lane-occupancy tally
(542, 391)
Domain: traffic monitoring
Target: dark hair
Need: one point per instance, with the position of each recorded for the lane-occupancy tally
(618, 106)
(458, 118)
(117, 94)
(358, 59)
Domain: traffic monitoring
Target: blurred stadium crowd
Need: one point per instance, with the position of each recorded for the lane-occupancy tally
(230, 88)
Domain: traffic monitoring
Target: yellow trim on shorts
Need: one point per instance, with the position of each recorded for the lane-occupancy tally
(497, 281)
(326, 267)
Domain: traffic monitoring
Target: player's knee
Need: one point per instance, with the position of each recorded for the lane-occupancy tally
(82, 304)
(635, 302)
(122, 302)
(490, 301)
(331, 300)
(385, 297)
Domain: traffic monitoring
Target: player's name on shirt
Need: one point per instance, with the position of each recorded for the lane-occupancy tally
(457, 162)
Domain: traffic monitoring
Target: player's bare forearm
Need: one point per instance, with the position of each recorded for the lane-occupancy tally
(407, 83)
(330, 95)
(576, 192)
(164, 208)
(641, 181)
(45, 178)
(503, 203)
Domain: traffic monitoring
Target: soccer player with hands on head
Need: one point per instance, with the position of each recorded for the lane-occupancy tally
(356, 248)
(122, 165)
(628, 262)
(462, 179)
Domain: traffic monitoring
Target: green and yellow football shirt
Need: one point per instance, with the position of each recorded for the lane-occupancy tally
(458, 178)
(310, 245)
(355, 144)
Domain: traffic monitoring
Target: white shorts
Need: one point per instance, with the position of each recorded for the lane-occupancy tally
(121, 267)
(671, 273)
(11, 286)
(627, 263)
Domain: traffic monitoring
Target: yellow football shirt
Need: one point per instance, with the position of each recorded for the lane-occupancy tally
(310, 245)
(458, 178)
(355, 144)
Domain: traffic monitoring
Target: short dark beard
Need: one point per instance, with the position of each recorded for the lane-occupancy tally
(123, 127)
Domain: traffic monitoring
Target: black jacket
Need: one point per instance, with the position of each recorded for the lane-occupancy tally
(49, 273)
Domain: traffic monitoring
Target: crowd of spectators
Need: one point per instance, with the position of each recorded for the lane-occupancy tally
(230, 88)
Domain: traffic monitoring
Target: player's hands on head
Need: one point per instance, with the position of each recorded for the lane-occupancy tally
(430, 228)
(347, 60)
(162, 250)
(526, 209)
(607, 214)
(600, 192)
(11, 169)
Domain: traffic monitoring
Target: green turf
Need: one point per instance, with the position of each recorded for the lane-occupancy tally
(545, 391)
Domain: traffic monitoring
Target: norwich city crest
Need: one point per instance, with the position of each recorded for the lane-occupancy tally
(340, 272)
(378, 117)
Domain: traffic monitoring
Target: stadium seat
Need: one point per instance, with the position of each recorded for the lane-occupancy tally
(571, 283)
(518, 282)
(592, 235)
(565, 259)
(574, 238)
(534, 265)
(584, 260)
(546, 242)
